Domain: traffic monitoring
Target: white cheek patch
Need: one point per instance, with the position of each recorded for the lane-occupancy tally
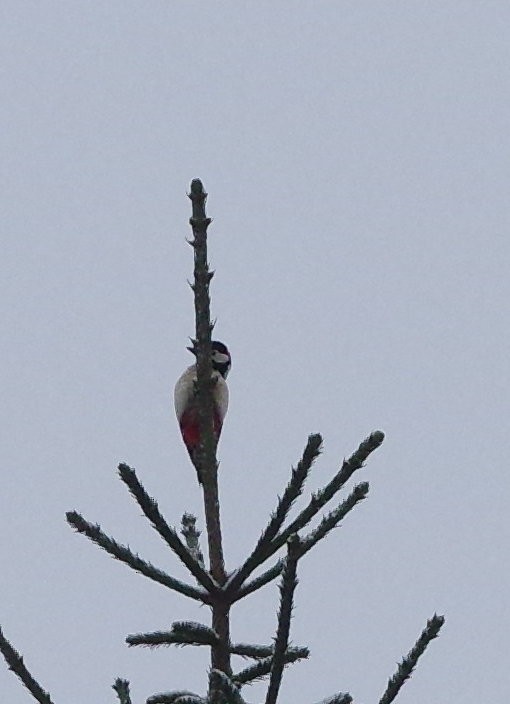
(221, 358)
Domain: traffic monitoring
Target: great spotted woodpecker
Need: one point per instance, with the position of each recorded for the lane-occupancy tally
(185, 399)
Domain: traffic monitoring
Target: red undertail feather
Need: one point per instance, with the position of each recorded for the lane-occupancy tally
(190, 430)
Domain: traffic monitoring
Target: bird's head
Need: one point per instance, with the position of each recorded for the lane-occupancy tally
(221, 361)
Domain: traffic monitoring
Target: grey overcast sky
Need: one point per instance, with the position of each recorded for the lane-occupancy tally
(357, 160)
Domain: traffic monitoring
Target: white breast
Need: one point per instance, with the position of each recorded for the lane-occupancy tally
(184, 391)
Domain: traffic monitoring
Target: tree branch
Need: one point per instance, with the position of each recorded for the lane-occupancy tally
(262, 668)
(15, 663)
(287, 588)
(408, 663)
(219, 681)
(172, 697)
(207, 465)
(260, 652)
(191, 536)
(122, 688)
(330, 521)
(124, 554)
(340, 698)
(321, 498)
(151, 510)
(292, 491)
(182, 633)
(261, 581)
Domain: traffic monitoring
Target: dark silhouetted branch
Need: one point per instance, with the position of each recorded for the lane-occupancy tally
(192, 536)
(261, 580)
(207, 465)
(172, 697)
(262, 668)
(182, 633)
(206, 454)
(197, 632)
(293, 490)
(122, 689)
(408, 663)
(330, 521)
(124, 554)
(15, 663)
(287, 588)
(151, 510)
(266, 651)
(219, 681)
(321, 498)
(340, 698)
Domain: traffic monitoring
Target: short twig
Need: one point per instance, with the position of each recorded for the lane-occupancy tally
(122, 688)
(408, 663)
(15, 662)
(259, 652)
(191, 536)
(262, 668)
(182, 633)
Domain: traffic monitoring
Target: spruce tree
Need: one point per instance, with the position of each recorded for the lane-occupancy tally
(278, 551)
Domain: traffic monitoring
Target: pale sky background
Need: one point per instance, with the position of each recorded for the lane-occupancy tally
(357, 160)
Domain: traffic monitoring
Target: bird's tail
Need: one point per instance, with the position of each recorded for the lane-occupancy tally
(194, 459)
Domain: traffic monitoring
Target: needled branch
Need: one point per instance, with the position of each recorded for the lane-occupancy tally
(261, 581)
(122, 689)
(262, 668)
(220, 682)
(340, 698)
(182, 633)
(15, 662)
(151, 510)
(207, 465)
(408, 663)
(260, 652)
(330, 521)
(287, 588)
(124, 554)
(292, 492)
(321, 498)
(191, 536)
(172, 697)
(333, 518)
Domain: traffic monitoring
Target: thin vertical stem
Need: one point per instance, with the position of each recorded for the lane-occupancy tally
(207, 465)
(287, 587)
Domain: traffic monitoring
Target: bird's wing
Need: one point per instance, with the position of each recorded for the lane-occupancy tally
(184, 390)
(220, 394)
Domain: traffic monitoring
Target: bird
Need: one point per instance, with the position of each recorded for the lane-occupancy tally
(186, 408)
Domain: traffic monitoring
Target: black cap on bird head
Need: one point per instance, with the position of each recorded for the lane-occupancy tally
(221, 361)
